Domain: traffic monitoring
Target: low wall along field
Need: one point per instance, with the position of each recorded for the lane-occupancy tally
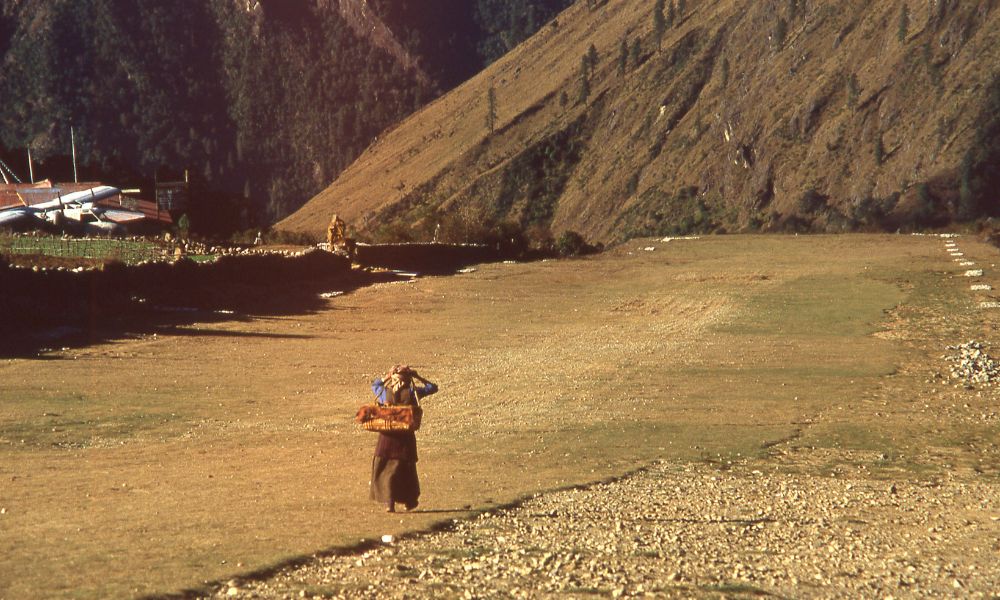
(185, 456)
(99, 298)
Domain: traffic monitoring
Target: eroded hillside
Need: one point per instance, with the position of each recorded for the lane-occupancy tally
(746, 115)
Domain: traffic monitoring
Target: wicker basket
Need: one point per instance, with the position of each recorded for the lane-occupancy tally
(374, 417)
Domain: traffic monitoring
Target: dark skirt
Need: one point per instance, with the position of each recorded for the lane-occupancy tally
(395, 480)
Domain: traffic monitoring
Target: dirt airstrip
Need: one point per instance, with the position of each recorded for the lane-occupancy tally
(757, 373)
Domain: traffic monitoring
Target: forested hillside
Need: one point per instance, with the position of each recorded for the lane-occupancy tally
(265, 102)
(459, 38)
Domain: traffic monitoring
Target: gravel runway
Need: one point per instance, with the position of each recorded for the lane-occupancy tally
(682, 531)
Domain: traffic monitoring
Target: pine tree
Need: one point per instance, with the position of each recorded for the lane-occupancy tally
(671, 14)
(853, 91)
(780, 33)
(584, 81)
(636, 53)
(491, 109)
(659, 23)
(904, 23)
(967, 202)
(592, 58)
(623, 57)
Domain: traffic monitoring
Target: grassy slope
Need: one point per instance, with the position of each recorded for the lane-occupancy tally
(155, 464)
(783, 121)
(437, 136)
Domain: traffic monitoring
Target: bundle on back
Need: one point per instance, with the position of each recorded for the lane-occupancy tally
(374, 417)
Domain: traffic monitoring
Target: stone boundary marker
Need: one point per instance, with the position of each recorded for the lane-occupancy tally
(959, 256)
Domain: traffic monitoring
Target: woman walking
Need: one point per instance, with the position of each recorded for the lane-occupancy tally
(394, 467)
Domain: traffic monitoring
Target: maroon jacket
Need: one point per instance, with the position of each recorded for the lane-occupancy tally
(398, 445)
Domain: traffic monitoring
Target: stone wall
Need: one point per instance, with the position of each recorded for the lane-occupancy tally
(32, 301)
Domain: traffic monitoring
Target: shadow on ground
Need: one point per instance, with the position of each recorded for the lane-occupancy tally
(46, 310)
(58, 308)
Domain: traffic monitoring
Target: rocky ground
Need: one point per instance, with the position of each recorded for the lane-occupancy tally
(682, 531)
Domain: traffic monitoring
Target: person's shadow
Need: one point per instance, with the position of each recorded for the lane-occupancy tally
(440, 510)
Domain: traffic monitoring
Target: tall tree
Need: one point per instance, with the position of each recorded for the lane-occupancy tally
(592, 58)
(584, 80)
(636, 53)
(780, 33)
(623, 57)
(659, 23)
(904, 23)
(491, 109)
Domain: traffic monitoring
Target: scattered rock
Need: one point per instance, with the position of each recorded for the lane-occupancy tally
(670, 529)
(972, 364)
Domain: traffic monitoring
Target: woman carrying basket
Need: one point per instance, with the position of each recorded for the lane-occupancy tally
(394, 467)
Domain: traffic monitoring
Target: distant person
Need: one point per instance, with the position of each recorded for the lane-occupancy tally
(259, 240)
(394, 466)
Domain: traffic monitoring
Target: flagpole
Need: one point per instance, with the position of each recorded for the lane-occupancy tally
(72, 140)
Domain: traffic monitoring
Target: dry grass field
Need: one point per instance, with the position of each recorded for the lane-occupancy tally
(155, 465)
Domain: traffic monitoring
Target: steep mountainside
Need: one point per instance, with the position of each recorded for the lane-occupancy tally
(367, 24)
(792, 114)
(265, 101)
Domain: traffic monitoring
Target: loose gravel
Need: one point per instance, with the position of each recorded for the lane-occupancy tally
(682, 531)
(972, 364)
